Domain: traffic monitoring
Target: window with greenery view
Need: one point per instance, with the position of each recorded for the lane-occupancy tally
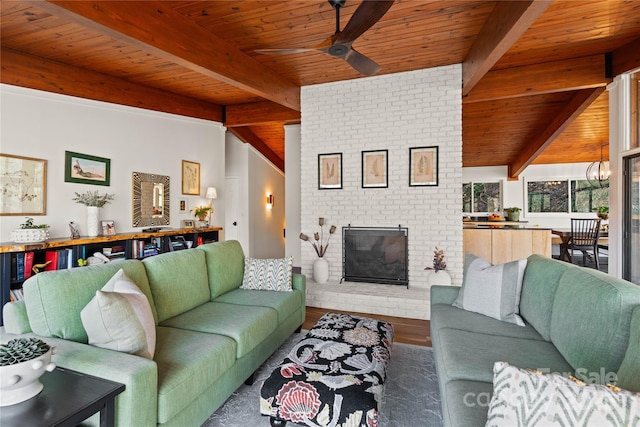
(565, 196)
(585, 198)
(481, 197)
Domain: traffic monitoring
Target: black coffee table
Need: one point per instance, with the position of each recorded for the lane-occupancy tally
(67, 399)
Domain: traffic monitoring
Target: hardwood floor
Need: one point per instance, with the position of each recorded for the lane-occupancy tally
(408, 331)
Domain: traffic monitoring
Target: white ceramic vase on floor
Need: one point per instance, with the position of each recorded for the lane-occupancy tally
(320, 271)
(93, 221)
(439, 278)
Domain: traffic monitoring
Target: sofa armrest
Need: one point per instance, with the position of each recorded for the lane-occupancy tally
(444, 294)
(137, 404)
(15, 318)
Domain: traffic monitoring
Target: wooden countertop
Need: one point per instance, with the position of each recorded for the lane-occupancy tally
(506, 225)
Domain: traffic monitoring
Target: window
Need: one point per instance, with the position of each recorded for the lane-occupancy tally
(481, 197)
(559, 196)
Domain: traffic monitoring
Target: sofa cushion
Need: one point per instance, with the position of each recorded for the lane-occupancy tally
(267, 274)
(591, 319)
(629, 372)
(247, 325)
(285, 303)
(448, 316)
(178, 281)
(188, 363)
(225, 266)
(492, 290)
(119, 318)
(54, 299)
(539, 285)
(471, 355)
(522, 397)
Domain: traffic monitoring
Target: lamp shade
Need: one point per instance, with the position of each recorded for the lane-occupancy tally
(212, 193)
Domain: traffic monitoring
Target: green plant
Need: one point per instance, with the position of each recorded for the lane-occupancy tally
(93, 198)
(512, 210)
(438, 260)
(602, 209)
(202, 211)
(319, 246)
(20, 350)
(28, 223)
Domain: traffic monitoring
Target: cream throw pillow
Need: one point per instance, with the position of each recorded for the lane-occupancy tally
(492, 290)
(526, 398)
(267, 274)
(119, 318)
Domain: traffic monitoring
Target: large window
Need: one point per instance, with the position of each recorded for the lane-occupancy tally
(565, 196)
(481, 197)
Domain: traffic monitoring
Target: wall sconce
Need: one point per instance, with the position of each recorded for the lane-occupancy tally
(270, 201)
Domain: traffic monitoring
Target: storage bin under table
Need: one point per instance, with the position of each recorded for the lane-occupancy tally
(334, 375)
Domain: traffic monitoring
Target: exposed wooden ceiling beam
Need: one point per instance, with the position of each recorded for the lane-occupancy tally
(568, 75)
(508, 21)
(580, 101)
(259, 112)
(155, 28)
(626, 58)
(246, 135)
(20, 69)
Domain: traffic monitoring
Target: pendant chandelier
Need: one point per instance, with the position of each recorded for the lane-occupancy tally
(598, 173)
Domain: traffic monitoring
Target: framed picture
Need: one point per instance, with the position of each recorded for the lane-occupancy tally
(23, 185)
(183, 206)
(423, 166)
(188, 223)
(108, 228)
(190, 178)
(330, 171)
(375, 169)
(86, 169)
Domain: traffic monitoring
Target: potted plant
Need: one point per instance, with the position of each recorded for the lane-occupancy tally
(602, 212)
(439, 265)
(22, 362)
(513, 214)
(201, 212)
(30, 232)
(93, 201)
(320, 266)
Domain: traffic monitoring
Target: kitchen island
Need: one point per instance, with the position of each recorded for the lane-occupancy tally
(504, 241)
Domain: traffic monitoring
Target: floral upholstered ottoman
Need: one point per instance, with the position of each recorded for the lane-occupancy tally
(334, 376)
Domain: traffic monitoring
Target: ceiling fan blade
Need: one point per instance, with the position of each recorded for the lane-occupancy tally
(283, 51)
(366, 15)
(361, 63)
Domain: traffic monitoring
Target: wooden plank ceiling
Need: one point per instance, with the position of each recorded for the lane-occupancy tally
(534, 72)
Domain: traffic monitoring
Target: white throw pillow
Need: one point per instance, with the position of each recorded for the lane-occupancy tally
(119, 318)
(492, 290)
(267, 274)
(526, 398)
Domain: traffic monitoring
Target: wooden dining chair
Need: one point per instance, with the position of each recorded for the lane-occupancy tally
(584, 238)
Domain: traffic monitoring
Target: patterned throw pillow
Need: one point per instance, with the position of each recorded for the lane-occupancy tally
(267, 274)
(527, 398)
(492, 290)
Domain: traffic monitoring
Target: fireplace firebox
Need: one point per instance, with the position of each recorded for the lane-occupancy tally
(375, 255)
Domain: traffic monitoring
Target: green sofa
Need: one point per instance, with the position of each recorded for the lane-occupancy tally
(578, 321)
(211, 335)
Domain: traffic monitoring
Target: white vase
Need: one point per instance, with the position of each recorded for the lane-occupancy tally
(440, 278)
(320, 271)
(93, 221)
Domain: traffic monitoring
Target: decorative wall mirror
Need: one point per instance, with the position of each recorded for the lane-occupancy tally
(150, 199)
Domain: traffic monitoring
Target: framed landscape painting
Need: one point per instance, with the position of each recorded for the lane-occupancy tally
(23, 184)
(330, 171)
(375, 169)
(86, 169)
(423, 166)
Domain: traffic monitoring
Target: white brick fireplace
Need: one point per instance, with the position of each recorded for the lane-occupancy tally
(392, 112)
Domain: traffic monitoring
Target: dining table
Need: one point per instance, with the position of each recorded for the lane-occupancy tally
(564, 240)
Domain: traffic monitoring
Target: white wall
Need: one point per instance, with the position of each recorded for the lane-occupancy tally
(394, 112)
(261, 229)
(43, 125)
(292, 187)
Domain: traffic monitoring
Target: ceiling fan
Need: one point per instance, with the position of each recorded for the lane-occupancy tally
(339, 44)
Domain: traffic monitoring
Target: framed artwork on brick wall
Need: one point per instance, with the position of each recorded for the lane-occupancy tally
(375, 169)
(423, 166)
(330, 171)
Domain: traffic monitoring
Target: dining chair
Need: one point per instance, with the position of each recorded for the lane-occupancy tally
(584, 238)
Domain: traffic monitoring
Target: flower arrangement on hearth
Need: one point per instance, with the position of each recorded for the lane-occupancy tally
(438, 260)
(319, 245)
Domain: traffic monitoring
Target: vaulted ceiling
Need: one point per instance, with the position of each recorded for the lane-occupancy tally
(534, 72)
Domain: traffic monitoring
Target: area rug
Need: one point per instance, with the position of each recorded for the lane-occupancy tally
(411, 396)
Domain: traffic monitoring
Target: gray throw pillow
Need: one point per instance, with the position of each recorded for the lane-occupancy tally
(492, 290)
